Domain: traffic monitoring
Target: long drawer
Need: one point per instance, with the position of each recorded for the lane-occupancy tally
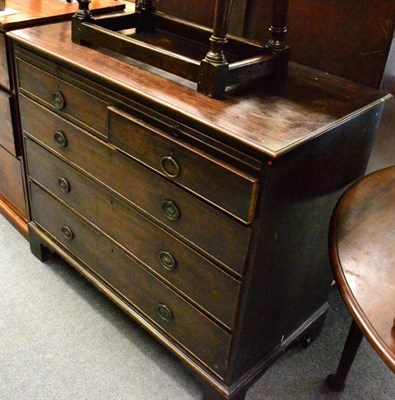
(223, 185)
(194, 275)
(64, 97)
(201, 225)
(156, 301)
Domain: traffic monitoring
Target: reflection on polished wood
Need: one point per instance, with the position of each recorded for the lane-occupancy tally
(363, 259)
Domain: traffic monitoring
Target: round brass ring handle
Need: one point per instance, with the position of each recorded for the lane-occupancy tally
(58, 100)
(170, 166)
(60, 139)
(67, 232)
(171, 210)
(164, 312)
(167, 260)
(64, 185)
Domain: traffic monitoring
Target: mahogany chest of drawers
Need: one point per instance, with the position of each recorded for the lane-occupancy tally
(205, 220)
(26, 13)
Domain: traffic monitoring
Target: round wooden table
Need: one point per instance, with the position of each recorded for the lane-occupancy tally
(362, 252)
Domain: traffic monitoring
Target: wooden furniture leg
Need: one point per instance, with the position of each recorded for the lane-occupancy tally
(214, 67)
(83, 14)
(314, 331)
(337, 382)
(211, 394)
(146, 21)
(37, 247)
(83, 11)
(278, 30)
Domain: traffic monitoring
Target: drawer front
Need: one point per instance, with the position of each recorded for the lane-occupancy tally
(218, 182)
(6, 129)
(176, 317)
(185, 269)
(64, 97)
(201, 225)
(4, 75)
(11, 183)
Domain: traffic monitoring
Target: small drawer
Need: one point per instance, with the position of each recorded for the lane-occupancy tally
(4, 74)
(179, 265)
(11, 183)
(7, 139)
(207, 229)
(63, 97)
(158, 303)
(216, 181)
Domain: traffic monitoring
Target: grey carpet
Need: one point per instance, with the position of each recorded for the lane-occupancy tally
(62, 339)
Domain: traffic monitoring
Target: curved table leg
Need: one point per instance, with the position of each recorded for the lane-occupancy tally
(337, 382)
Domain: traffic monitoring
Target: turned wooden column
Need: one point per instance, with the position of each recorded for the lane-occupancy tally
(214, 67)
(83, 13)
(144, 5)
(146, 22)
(278, 29)
(223, 9)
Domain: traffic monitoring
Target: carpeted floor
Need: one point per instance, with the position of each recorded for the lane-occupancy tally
(62, 339)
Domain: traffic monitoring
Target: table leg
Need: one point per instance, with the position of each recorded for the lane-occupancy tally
(337, 382)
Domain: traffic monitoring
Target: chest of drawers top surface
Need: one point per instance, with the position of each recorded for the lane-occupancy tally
(270, 116)
(43, 11)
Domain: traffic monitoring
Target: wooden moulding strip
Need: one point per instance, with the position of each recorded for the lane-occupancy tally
(13, 216)
(179, 65)
(117, 22)
(251, 68)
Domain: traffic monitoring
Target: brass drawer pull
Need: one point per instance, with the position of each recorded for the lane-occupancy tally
(170, 166)
(167, 260)
(58, 100)
(67, 232)
(64, 185)
(164, 312)
(171, 210)
(60, 139)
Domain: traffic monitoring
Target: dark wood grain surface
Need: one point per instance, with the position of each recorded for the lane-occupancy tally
(269, 116)
(363, 258)
(43, 11)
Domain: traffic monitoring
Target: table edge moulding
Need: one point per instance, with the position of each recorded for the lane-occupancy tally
(109, 140)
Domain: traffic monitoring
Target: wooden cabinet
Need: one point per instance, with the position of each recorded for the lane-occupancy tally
(12, 191)
(205, 220)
